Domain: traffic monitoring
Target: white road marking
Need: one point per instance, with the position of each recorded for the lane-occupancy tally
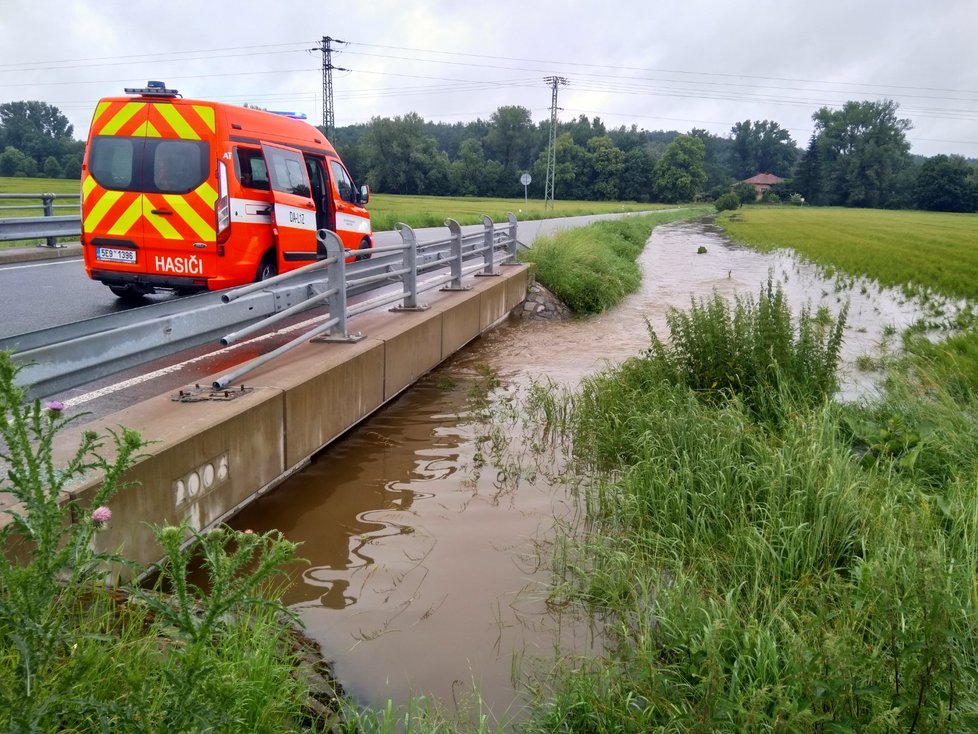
(62, 261)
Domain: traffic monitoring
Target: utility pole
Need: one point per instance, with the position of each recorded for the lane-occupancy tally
(329, 118)
(548, 190)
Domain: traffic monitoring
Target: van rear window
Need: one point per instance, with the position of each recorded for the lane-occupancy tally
(149, 165)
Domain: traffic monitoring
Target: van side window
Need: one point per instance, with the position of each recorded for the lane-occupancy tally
(249, 165)
(287, 171)
(344, 184)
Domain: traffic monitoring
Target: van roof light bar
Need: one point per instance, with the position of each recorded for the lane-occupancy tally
(153, 89)
(293, 115)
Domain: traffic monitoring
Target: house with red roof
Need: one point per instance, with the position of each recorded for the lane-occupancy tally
(762, 182)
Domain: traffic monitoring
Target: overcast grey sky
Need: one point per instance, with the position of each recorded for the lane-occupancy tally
(657, 64)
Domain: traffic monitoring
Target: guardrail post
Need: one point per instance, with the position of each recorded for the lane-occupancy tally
(487, 249)
(47, 201)
(456, 257)
(512, 240)
(410, 278)
(336, 282)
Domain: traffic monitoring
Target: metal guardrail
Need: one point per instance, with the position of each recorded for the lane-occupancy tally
(64, 357)
(50, 226)
(415, 259)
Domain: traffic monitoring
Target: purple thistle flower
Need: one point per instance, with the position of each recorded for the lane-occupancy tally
(101, 515)
(54, 406)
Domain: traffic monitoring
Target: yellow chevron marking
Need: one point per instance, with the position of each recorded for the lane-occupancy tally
(203, 229)
(146, 130)
(124, 223)
(179, 125)
(207, 194)
(122, 117)
(161, 224)
(206, 114)
(101, 209)
(88, 183)
(99, 109)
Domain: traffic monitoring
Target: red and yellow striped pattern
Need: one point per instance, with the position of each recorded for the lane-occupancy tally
(116, 213)
(132, 118)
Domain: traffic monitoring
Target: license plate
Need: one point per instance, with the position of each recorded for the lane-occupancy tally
(113, 255)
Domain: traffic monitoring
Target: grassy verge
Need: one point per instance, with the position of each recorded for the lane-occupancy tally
(783, 565)
(592, 268)
(917, 251)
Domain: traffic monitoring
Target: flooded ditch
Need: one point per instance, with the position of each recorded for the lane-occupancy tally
(427, 567)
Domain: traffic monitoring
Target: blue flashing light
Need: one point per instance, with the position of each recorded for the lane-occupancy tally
(293, 115)
(153, 89)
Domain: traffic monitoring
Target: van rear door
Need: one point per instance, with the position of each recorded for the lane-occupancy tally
(294, 215)
(112, 207)
(180, 191)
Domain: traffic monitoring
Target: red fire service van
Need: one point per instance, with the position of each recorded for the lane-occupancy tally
(186, 195)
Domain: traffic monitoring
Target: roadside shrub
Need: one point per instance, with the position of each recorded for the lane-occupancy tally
(727, 202)
(744, 192)
(770, 198)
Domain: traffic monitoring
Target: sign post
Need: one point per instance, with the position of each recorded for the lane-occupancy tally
(525, 180)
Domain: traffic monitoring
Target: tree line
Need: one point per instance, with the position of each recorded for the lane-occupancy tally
(858, 155)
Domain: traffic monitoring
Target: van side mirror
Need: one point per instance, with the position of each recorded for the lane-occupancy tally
(364, 194)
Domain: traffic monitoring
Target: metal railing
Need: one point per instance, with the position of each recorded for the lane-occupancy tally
(491, 247)
(49, 226)
(63, 357)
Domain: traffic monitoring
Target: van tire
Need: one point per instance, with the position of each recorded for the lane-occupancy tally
(364, 252)
(127, 294)
(266, 268)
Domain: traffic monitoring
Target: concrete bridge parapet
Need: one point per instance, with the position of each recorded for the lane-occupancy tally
(207, 459)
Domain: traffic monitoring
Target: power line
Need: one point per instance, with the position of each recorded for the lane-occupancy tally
(552, 62)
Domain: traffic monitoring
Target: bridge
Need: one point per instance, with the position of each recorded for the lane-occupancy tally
(237, 423)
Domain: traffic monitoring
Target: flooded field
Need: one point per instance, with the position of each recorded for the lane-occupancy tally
(427, 568)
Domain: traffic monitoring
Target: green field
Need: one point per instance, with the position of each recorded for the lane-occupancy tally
(927, 250)
(386, 210)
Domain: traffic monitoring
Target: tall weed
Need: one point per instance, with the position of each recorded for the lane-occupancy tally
(79, 655)
(753, 350)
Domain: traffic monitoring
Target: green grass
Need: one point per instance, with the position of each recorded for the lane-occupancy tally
(927, 251)
(593, 268)
(810, 573)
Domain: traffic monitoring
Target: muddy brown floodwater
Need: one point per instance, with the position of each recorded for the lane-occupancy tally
(426, 577)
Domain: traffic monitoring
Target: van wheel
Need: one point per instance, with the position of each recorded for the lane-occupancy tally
(266, 268)
(127, 294)
(363, 252)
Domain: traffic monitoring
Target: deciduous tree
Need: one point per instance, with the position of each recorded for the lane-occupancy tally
(856, 155)
(679, 173)
(946, 184)
(761, 147)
